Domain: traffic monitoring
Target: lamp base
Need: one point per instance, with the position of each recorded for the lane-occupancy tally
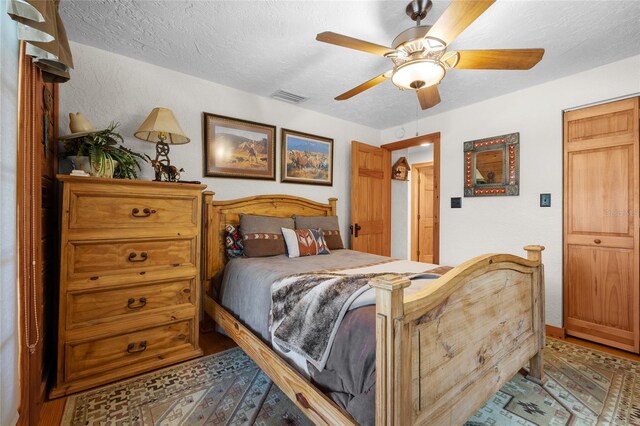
(162, 164)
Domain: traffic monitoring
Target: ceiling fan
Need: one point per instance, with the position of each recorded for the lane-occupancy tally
(419, 54)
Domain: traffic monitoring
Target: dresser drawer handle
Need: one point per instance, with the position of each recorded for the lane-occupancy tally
(141, 303)
(142, 346)
(146, 212)
(133, 255)
(597, 241)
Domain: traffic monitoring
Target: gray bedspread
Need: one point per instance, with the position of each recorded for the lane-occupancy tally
(248, 297)
(349, 377)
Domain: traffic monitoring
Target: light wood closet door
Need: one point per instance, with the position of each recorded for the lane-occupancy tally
(601, 278)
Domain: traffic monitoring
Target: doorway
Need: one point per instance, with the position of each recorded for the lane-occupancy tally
(422, 247)
(415, 204)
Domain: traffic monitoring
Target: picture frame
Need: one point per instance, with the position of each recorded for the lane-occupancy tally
(306, 158)
(236, 148)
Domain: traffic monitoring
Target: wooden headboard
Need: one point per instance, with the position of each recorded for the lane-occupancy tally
(217, 214)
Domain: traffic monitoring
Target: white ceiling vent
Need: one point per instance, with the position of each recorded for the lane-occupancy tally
(292, 98)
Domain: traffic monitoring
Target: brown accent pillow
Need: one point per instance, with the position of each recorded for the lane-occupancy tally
(329, 226)
(262, 235)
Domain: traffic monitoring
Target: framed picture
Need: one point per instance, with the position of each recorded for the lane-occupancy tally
(238, 148)
(306, 158)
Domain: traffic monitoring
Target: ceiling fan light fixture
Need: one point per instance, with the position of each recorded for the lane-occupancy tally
(450, 59)
(418, 74)
(396, 54)
(433, 44)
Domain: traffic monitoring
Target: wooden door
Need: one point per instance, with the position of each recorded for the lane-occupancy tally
(601, 279)
(370, 199)
(422, 216)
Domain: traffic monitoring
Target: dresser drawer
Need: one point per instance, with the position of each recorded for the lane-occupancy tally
(96, 210)
(99, 306)
(95, 259)
(137, 347)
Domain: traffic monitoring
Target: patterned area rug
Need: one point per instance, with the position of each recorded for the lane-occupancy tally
(584, 387)
(222, 389)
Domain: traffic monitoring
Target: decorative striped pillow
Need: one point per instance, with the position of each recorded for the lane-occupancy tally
(305, 242)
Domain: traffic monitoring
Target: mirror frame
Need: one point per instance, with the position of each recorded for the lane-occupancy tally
(510, 144)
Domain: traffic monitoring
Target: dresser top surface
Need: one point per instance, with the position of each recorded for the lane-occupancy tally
(142, 183)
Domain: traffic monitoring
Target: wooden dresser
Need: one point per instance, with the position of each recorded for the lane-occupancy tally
(129, 279)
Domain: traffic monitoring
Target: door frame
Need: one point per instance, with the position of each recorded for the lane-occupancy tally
(433, 138)
(414, 212)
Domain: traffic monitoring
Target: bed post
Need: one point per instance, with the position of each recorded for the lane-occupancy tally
(536, 364)
(393, 352)
(332, 203)
(207, 199)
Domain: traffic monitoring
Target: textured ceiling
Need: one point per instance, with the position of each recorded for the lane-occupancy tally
(263, 46)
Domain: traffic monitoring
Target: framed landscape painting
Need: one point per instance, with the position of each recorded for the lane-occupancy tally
(238, 148)
(306, 158)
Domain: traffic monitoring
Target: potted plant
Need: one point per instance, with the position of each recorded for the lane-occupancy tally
(107, 157)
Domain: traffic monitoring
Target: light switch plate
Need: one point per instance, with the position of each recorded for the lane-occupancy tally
(545, 200)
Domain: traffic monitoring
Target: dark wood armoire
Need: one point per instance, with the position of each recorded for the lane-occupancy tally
(37, 213)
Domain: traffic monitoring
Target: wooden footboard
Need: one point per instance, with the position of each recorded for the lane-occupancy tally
(442, 353)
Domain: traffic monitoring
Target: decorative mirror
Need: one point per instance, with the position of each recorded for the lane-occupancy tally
(492, 166)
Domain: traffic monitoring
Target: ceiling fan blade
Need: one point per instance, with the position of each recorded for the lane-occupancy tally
(364, 86)
(354, 43)
(499, 59)
(458, 16)
(428, 96)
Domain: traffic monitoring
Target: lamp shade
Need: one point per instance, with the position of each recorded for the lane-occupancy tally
(161, 124)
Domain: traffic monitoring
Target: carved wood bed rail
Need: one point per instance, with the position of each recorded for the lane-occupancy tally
(440, 353)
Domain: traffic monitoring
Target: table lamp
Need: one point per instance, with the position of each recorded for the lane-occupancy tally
(162, 128)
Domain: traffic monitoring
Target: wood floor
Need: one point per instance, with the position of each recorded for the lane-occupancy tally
(213, 342)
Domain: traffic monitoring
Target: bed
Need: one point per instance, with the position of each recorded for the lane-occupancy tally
(440, 351)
